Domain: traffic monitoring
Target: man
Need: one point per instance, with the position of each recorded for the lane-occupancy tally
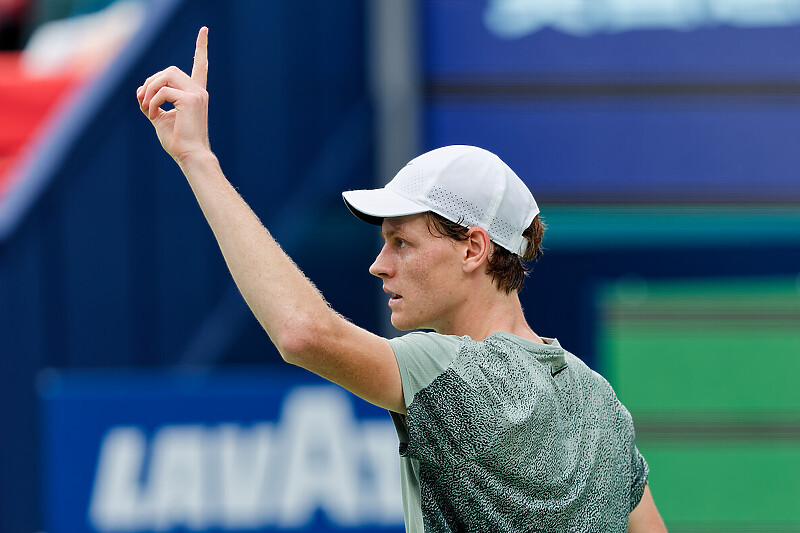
(500, 429)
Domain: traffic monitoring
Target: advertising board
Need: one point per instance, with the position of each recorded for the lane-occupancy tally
(263, 451)
(623, 101)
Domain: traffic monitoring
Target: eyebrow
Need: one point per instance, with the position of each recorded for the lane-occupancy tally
(391, 233)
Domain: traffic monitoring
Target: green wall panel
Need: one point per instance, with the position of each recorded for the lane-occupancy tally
(710, 370)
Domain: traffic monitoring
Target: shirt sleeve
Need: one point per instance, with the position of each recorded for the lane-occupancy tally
(640, 472)
(422, 357)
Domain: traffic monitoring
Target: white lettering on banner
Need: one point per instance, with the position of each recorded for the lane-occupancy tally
(176, 478)
(245, 472)
(382, 496)
(512, 19)
(115, 500)
(322, 471)
(318, 458)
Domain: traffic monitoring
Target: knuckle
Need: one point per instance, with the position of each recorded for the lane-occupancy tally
(192, 99)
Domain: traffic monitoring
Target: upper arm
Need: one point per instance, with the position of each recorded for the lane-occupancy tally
(359, 361)
(645, 518)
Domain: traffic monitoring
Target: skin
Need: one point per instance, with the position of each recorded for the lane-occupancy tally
(305, 330)
(442, 284)
(645, 518)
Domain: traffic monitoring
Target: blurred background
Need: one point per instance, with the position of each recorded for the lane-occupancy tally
(138, 393)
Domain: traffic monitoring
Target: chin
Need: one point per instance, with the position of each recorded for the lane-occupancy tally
(409, 325)
(402, 325)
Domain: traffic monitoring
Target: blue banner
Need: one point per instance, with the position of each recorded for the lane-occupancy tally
(706, 39)
(277, 451)
(624, 101)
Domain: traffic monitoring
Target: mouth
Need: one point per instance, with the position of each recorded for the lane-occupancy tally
(394, 297)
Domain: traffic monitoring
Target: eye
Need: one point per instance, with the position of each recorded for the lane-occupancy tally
(401, 243)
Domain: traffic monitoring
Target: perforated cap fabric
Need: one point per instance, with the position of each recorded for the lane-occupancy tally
(464, 184)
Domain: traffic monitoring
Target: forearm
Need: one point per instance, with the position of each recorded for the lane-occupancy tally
(288, 306)
(283, 300)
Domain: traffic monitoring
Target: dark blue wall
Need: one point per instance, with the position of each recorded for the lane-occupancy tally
(112, 264)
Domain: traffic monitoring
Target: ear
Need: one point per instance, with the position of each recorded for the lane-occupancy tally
(478, 246)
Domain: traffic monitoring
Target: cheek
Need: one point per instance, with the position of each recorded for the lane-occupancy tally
(437, 272)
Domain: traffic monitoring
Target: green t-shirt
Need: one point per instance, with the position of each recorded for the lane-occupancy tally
(510, 435)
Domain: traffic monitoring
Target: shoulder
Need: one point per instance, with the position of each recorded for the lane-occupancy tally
(422, 357)
(427, 342)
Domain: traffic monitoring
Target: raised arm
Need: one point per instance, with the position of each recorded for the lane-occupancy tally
(306, 331)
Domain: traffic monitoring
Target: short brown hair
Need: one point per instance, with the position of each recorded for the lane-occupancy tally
(508, 270)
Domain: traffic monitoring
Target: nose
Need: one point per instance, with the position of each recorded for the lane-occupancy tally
(381, 267)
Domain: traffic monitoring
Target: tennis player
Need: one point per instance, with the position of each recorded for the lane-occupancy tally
(500, 429)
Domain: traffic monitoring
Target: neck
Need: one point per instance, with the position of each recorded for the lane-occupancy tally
(481, 314)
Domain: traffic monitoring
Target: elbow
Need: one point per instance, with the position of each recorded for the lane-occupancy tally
(300, 340)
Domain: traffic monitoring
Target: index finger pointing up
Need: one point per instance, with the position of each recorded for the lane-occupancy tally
(200, 66)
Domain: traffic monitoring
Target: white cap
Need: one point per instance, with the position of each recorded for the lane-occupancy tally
(464, 184)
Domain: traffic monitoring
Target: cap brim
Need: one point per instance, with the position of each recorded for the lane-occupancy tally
(373, 205)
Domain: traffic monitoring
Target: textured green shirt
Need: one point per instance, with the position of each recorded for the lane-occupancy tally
(510, 435)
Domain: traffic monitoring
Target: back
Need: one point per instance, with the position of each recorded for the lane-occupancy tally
(511, 435)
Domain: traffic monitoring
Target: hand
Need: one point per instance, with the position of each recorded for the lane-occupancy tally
(183, 131)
